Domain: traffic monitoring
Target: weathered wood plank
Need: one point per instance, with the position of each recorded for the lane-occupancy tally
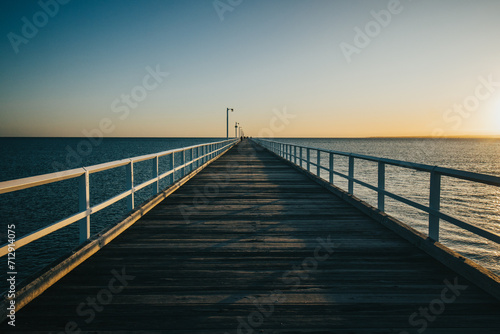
(247, 227)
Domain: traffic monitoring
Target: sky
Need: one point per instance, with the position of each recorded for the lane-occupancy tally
(288, 68)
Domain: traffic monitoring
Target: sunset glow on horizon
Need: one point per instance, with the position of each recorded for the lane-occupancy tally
(289, 68)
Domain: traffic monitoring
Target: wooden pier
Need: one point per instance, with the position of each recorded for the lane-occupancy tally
(251, 245)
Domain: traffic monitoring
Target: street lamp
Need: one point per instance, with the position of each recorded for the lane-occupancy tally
(227, 121)
(236, 130)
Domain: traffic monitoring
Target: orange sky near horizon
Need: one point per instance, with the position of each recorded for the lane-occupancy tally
(288, 68)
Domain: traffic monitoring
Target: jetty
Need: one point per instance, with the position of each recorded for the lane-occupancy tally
(250, 239)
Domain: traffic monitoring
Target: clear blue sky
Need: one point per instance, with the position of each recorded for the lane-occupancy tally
(265, 57)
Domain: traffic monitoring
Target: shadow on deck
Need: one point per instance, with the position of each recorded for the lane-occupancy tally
(250, 245)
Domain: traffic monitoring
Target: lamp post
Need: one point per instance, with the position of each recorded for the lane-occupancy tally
(236, 130)
(227, 121)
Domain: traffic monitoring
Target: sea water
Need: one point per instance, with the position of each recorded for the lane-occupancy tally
(35, 208)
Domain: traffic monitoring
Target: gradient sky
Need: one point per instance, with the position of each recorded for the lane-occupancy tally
(266, 57)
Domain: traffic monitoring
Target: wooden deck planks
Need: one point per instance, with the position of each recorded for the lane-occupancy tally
(248, 227)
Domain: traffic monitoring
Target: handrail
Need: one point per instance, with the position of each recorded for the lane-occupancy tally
(200, 154)
(288, 152)
(456, 173)
(34, 181)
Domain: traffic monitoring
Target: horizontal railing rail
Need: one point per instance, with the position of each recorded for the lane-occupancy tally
(295, 154)
(199, 154)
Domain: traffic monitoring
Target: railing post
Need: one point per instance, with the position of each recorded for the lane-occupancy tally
(154, 174)
(351, 175)
(318, 163)
(190, 169)
(183, 173)
(381, 186)
(435, 204)
(308, 159)
(130, 185)
(295, 154)
(193, 157)
(301, 159)
(331, 168)
(198, 162)
(84, 205)
(172, 163)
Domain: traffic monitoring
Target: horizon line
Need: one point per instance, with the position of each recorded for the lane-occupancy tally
(289, 137)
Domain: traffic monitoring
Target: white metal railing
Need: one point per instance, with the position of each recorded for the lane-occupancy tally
(199, 154)
(295, 153)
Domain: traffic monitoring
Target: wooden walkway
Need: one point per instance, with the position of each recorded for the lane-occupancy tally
(250, 245)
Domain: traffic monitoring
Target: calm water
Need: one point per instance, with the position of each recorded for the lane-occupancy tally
(35, 208)
(476, 204)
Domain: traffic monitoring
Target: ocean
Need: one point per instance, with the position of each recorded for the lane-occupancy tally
(35, 208)
(471, 202)
(38, 207)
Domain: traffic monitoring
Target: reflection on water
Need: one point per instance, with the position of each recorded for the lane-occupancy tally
(471, 202)
(35, 208)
